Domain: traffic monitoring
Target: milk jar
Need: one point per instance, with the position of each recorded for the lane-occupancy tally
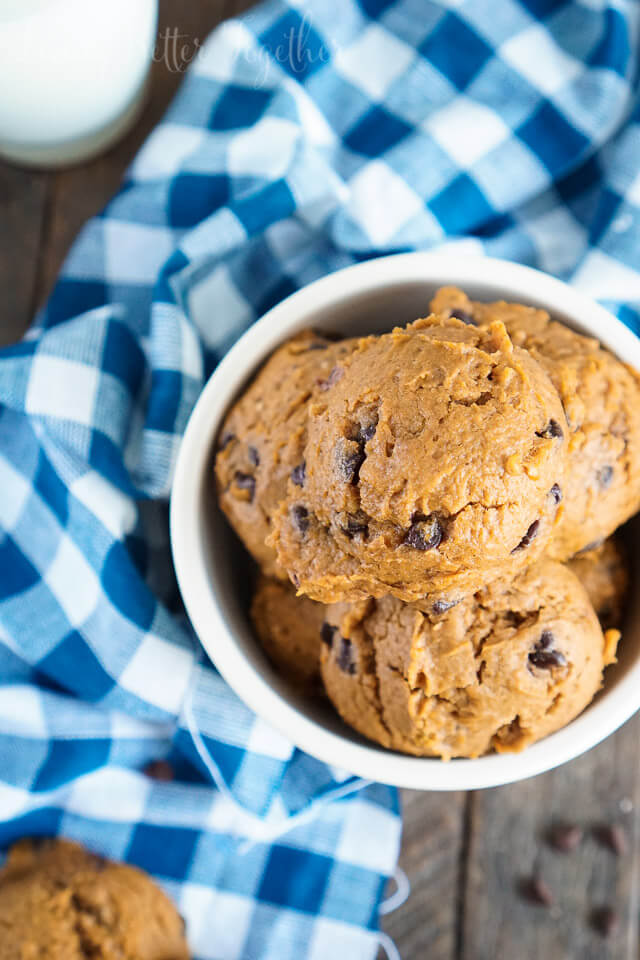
(72, 75)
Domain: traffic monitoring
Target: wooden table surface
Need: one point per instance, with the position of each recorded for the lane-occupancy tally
(465, 855)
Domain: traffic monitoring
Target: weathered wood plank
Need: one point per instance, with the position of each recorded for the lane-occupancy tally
(23, 211)
(433, 838)
(234, 8)
(507, 844)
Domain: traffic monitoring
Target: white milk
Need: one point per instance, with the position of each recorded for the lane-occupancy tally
(72, 75)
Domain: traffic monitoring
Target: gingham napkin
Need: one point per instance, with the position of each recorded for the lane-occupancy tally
(307, 136)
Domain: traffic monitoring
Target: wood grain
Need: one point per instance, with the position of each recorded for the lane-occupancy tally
(23, 210)
(507, 845)
(432, 847)
(234, 8)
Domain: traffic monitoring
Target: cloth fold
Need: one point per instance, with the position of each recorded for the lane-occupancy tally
(303, 139)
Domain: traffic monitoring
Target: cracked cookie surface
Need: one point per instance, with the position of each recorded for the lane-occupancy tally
(260, 445)
(60, 902)
(496, 672)
(434, 464)
(601, 399)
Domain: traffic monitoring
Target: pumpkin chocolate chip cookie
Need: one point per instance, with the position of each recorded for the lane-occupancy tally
(498, 671)
(601, 399)
(434, 463)
(60, 902)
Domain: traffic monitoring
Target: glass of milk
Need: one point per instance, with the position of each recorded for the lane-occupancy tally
(72, 75)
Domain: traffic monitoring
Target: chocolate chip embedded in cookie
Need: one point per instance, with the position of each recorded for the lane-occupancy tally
(601, 398)
(545, 654)
(495, 672)
(433, 465)
(61, 902)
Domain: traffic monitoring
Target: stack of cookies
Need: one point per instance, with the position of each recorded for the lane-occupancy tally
(432, 512)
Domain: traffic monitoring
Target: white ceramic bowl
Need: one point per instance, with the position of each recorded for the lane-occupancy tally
(211, 568)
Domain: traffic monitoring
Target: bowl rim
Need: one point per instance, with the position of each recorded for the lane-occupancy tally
(364, 759)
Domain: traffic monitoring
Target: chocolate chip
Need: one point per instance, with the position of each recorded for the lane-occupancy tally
(605, 477)
(556, 493)
(552, 431)
(355, 527)
(530, 535)
(425, 533)
(349, 456)
(538, 891)
(547, 659)
(605, 921)
(565, 837)
(366, 432)
(441, 606)
(345, 656)
(245, 481)
(317, 345)
(463, 315)
(612, 836)
(300, 517)
(299, 474)
(295, 579)
(543, 656)
(546, 639)
(332, 379)
(159, 770)
(254, 456)
(226, 439)
(351, 467)
(327, 632)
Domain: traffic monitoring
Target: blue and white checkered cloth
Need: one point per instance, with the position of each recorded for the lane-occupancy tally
(307, 136)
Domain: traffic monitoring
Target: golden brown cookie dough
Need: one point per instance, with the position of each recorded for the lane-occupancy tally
(601, 399)
(498, 671)
(59, 902)
(261, 442)
(435, 462)
(604, 574)
(289, 629)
